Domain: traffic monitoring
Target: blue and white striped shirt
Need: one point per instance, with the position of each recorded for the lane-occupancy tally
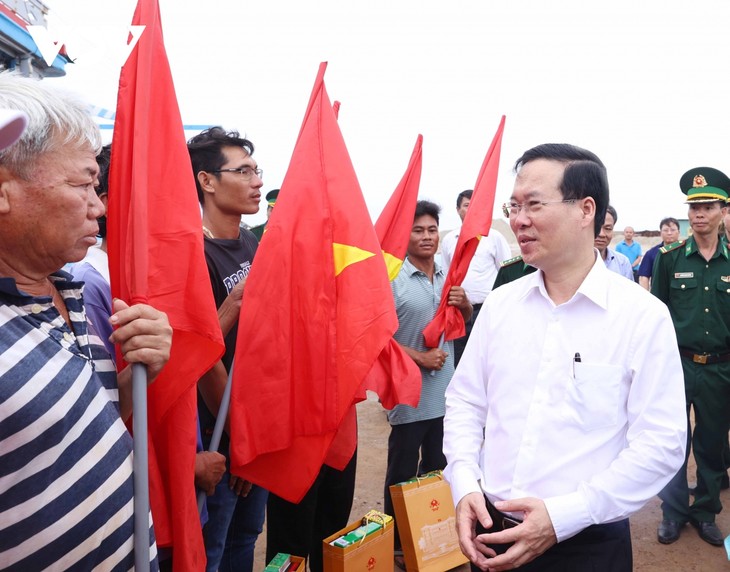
(416, 301)
(66, 488)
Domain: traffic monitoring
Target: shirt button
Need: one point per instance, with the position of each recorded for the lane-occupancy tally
(67, 337)
(36, 308)
(707, 310)
(706, 288)
(682, 286)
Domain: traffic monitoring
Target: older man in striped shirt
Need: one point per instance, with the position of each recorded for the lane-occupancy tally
(66, 490)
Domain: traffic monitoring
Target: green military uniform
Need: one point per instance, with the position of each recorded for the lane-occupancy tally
(697, 293)
(512, 269)
(258, 231)
(271, 197)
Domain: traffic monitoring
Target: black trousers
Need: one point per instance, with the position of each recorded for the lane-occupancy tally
(598, 548)
(300, 528)
(413, 449)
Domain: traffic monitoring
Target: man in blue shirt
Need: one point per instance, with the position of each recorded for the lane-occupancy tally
(631, 250)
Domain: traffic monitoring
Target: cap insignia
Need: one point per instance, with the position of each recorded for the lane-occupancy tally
(699, 181)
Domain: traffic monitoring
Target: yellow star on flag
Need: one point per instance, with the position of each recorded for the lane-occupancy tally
(345, 255)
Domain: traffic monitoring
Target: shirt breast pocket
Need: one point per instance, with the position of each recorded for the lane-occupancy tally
(594, 395)
(723, 296)
(683, 293)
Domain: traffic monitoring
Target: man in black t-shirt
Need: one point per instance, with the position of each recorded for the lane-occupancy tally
(229, 185)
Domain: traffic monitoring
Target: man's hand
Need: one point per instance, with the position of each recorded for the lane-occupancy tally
(470, 510)
(230, 309)
(209, 469)
(457, 297)
(143, 333)
(434, 358)
(531, 538)
(239, 486)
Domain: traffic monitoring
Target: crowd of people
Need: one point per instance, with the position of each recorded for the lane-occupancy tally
(561, 412)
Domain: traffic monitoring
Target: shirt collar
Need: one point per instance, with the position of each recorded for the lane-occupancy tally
(594, 285)
(690, 247)
(61, 279)
(411, 270)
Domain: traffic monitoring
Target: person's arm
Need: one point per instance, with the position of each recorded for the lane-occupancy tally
(230, 309)
(466, 411)
(644, 282)
(144, 336)
(432, 358)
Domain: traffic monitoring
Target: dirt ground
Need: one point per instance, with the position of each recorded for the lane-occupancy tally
(688, 554)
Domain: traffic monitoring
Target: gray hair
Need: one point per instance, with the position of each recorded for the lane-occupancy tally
(56, 119)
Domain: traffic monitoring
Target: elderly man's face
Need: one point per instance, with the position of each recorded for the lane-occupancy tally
(53, 216)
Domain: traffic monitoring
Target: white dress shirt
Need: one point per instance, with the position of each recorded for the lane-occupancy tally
(594, 439)
(491, 251)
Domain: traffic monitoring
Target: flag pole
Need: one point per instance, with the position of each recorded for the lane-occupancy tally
(220, 422)
(140, 469)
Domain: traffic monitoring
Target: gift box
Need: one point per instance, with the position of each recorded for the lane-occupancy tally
(286, 563)
(372, 552)
(424, 511)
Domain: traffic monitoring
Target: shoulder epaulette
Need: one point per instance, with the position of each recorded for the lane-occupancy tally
(673, 246)
(511, 261)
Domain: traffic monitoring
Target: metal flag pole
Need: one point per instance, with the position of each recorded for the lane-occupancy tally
(141, 469)
(220, 422)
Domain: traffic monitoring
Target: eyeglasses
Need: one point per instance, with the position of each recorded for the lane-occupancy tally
(245, 172)
(531, 208)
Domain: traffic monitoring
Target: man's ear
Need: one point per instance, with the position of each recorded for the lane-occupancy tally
(206, 182)
(588, 208)
(6, 182)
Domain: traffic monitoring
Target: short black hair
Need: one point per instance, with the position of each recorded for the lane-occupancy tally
(667, 221)
(463, 195)
(424, 207)
(584, 175)
(612, 211)
(206, 151)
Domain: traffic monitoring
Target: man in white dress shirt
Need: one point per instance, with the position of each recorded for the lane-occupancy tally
(567, 411)
(491, 252)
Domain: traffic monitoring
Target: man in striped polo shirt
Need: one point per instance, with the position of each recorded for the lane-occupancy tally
(66, 489)
(417, 433)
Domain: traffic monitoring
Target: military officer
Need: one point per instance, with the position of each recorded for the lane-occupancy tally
(693, 278)
(270, 202)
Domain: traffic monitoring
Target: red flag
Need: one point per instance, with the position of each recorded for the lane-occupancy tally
(395, 377)
(394, 224)
(317, 312)
(156, 257)
(477, 222)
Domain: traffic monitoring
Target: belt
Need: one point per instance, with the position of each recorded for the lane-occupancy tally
(705, 358)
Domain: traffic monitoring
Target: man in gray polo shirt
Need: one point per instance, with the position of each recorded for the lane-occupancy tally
(417, 433)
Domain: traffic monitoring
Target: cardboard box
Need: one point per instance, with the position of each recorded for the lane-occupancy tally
(424, 511)
(374, 553)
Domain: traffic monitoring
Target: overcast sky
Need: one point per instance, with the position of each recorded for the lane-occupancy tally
(644, 84)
